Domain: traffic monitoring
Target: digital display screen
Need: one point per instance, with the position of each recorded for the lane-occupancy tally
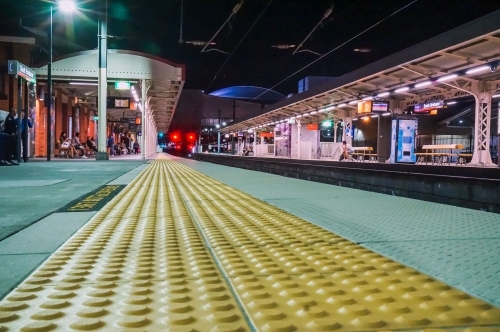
(122, 103)
(378, 106)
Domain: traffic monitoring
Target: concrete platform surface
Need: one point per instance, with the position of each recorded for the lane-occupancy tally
(34, 190)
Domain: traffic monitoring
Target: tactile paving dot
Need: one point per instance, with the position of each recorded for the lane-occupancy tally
(141, 264)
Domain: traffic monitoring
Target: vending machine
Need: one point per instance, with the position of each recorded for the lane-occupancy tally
(404, 132)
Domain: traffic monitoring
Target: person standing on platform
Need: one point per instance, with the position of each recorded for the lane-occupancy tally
(26, 127)
(11, 130)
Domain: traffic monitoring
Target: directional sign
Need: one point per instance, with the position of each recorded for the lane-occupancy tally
(18, 69)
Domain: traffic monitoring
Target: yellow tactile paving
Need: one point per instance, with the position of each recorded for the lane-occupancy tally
(142, 264)
(138, 265)
(294, 276)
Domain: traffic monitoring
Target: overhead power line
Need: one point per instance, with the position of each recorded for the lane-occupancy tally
(336, 48)
(246, 34)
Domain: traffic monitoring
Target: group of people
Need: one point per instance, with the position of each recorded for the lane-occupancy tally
(8, 138)
(73, 145)
(125, 146)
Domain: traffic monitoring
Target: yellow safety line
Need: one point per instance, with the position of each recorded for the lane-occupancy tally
(141, 264)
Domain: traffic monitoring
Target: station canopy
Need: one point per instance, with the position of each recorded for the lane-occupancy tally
(442, 68)
(76, 76)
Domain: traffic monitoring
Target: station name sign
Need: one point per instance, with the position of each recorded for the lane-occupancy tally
(18, 69)
(426, 107)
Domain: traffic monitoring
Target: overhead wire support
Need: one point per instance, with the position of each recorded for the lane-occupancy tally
(325, 16)
(235, 10)
(182, 22)
(246, 34)
(336, 48)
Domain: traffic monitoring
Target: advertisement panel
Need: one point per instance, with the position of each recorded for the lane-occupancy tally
(406, 141)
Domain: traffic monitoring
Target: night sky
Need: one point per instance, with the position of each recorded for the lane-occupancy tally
(153, 26)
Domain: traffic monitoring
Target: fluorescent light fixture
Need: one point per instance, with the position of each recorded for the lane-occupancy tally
(355, 119)
(313, 112)
(375, 116)
(421, 84)
(386, 114)
(223, 123)
(447, 77)
(401, 89)
(322, 110)
(450, 102)
(495, 96)
(477, 69)
(217, 126)
(341, 105)
(353, 102)
(330, 108)
(83, 83)
(384, 94)
(250, 131)
(368, 98)
(298, 116)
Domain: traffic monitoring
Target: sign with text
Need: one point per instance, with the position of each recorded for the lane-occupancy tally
(380, 106)
(118, 102)
(17, 68)
(426, 107)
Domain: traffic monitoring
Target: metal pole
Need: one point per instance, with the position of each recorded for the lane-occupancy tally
(102, 153)
(298, 138)
(143, 121)
(49, 91)
(18, 120)
(218, 142)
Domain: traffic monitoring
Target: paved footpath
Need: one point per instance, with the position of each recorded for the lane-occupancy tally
(177, 250)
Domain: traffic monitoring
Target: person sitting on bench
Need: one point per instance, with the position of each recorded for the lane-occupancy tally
(346, 150)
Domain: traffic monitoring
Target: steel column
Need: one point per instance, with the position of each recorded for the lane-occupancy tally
(102, 153)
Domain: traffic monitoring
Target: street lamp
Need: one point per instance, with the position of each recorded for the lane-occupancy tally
(65, 6)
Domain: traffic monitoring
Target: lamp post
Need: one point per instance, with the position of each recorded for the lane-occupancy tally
(102, 153)
(66, 6)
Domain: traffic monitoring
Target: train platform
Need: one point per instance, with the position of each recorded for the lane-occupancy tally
(181, 245)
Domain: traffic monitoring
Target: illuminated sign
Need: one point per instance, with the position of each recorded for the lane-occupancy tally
(312, 126)
(426, 107)
(380, 106)
(433, 112)
(122, 85)
(115, 102)
(18, 69)
(364, 106)
(326, 124)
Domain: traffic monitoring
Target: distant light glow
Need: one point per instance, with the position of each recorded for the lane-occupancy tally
(341, 105)
(450, 102)
(401, 89)
(368, 98)
(67, 6)
(386, 114)
(383, 94)
(375, 116)
(353, 102)
(447, 78)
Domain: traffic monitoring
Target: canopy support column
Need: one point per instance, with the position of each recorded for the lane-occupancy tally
(481, 155)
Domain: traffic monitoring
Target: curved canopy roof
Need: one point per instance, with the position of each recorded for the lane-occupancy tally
(164, 79)
(442, 68)
(250, 93)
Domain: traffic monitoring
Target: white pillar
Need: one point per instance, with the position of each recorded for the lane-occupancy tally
(143, 121)
(298, 138)
(254, 145)
(481, 155)
(347, 130)
(335, 124)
